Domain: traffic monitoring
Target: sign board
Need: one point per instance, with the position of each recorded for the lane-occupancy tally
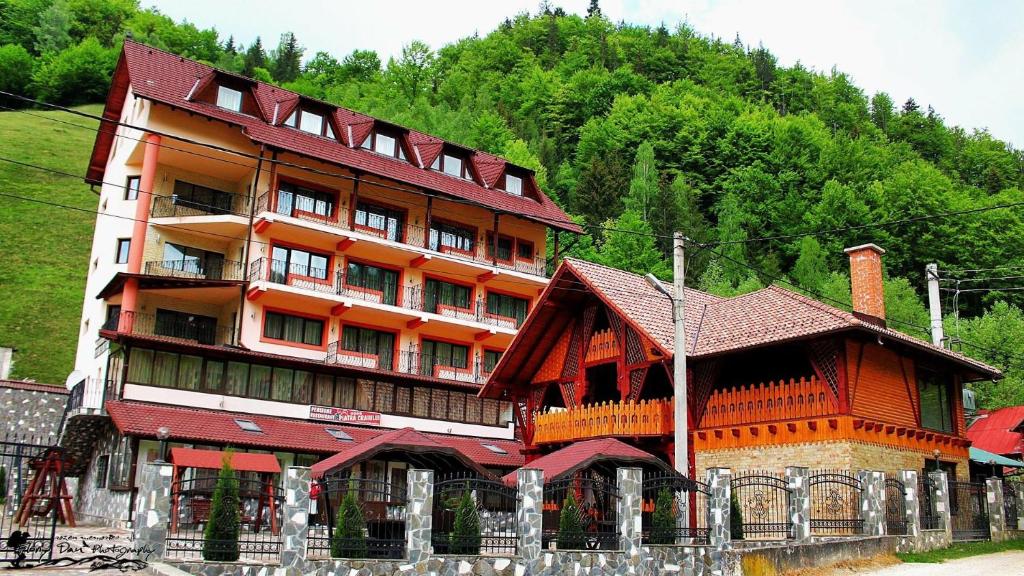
(344, 415)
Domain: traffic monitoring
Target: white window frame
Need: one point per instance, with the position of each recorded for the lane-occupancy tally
(223, 95)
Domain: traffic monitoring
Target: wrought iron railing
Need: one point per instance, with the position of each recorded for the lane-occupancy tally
(835, 503)
(1010, 511)
(357, 518)
(674, 510)
(968, 510)
(926, 504)
(763, 501)
(590, 504)
(193, 269)
(173, 327)
(473, 370)
(895, 506)
(219, 204)
(494, 505)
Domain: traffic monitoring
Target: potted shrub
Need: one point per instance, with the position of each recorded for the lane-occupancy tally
(465, 538)
(349, 537)
(570, 527)
(663, 524)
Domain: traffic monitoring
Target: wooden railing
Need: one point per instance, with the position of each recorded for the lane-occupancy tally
(801, 398)
(643, 418)
(602, 345)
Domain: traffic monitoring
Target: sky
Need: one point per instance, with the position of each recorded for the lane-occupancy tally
(961, 57)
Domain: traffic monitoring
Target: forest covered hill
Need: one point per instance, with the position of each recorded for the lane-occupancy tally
(638, 131)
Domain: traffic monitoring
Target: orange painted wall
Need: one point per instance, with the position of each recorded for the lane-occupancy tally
(877, 386)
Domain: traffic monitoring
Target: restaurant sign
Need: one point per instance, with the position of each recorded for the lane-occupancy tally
(344, 415)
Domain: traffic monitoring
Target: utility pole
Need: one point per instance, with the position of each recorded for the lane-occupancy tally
(931, 273)
(681, 453)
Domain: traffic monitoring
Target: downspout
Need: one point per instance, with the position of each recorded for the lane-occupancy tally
(248, 242)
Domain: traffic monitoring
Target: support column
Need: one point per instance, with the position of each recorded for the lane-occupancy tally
(630, 508)
(940, 499)
(145, 199)
(531, 508)
(419, 511)
(911, 502)
(996, 512)
(295, 528)
(798, 480)
(153, 507)
(719, 508)
(1020, 505)
(872, 502)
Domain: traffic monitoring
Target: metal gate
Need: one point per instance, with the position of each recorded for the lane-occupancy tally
(1010, 504)
(968, 510)
(762, 503)
(925, 493)
(895, 507)
(26, 533)
(835, 504)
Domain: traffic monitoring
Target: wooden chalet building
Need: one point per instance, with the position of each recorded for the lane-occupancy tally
(774, 378)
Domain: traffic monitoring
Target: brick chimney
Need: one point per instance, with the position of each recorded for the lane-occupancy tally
(866, 282)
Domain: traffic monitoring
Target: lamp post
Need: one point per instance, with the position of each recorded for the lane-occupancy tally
(936, 453)
(162, 434)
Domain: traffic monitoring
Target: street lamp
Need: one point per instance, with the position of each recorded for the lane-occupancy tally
(936, 453)
(162, 434)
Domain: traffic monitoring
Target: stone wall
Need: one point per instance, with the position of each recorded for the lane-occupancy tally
(30, 409)
(786, 558)
(97, 505)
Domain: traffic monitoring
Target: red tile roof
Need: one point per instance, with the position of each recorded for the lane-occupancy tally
(214, 459)
(581, 454)
(219, 427)
(169, 79)
(999, 431)
(34, 386)
(405, 439)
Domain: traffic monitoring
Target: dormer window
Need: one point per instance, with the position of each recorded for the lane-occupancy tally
(513, 185)
(386, 144)
(229, 98)
(312, 122)
(451, 165)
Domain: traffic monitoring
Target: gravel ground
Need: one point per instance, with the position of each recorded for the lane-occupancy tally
(1001, 564)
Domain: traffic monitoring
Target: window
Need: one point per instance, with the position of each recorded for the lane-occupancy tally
(298, 201)
(193, 261)
(445, 237)
(339, 434)
(437, 292)
(369, 341)
(289, 328)
(124, 245)
(451, 165)
(373, 278)
(248, 425)
(436, 353)
(311, 122)
(524, 250)
(229, 98)
(259, 382)
(506, 244)
(236, 378)
(387, 223)
(131, 187)
(213, 378)
(287, 262)
(120, 464)
(491, 358)
(201, 198)
(186, 325)
(513, 185)
(102, 467)
(494, 448)
(281, 384)
(385, 144)
(507, 306)
(936, 407)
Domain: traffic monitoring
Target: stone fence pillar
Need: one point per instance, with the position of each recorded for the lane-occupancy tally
(911, 503)
(719, 508)
(797, 478)
(940, 499)
(630, 507)
(872, 501)
(153, 508)
(531, 509)
(295, 528)
(996, 512)
(419, 509)
(1019, 491)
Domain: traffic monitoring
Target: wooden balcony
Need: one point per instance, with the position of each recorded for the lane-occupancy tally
(643, 418)
(770, 402)
(603, 346)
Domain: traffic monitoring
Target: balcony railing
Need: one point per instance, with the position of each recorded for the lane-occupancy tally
(803, 398)
(410, 297)
(184, 328)
(474, 370)
(409, 234)
(627, 418)
(195, 270)
(176, 206)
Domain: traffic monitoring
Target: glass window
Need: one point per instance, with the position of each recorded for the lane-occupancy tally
(936, 407)
(248, 425)
(124, 246)
(311, 122)
(373, 278)
(384, 397)
(369, 341)
(237, 376)
(131, 188)
(165, 369)
(456, 406)
(339, 434)
(439, 404)
(388, 222)
(507, 306)
(121, 464)
(436, 164)
(453, 165)
(259, 382)
(190, 372)
(201, 198)
(185, 325)
(296, 329)
(473, 410)
(302, 387)
(324, 391)
(213, 381)
(286, 262)
(345, 392)
(513, 185)
(140, 366)
(443, 354)
(282, 384)
(229, 98)
(505, 247)
(364, 395)
(403, 399)
(102, 466)
(446, 237)
(524, 250)
(291, 120)
(384, 144)
(447, 294)
(295, 200)
(421, 402)
(193, 261)
(491, 358)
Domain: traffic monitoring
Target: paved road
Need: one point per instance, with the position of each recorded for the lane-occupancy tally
(1001, 564)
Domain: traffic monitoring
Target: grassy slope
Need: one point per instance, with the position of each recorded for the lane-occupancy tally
(962, 550)
(44, 250)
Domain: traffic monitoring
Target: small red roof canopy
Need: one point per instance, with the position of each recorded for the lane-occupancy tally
(214, 459)
(406, 440)
(582, 454)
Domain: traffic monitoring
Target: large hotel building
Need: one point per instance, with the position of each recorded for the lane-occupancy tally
(272, 273)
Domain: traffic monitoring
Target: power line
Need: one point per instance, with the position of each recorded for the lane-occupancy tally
(963, 290)
(959, 280)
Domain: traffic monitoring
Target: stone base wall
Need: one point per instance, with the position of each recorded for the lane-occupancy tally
(96, 505)
(28, 409)
(785, 558)
(927, 540)
(844, 455)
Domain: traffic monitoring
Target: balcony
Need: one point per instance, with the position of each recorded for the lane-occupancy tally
(627, 418)
(196, 270)
(220, 204)
(409, 298)
(772, 402)
(182, 328)
(409, 237)
(412, 362)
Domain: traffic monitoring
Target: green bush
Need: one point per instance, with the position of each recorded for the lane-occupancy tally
(570, 528)
(3, 485)
(663, 524)
(220, 539)
(735, 517)
(465, 538)
(15, 73)
(349, 537)
(77, 75)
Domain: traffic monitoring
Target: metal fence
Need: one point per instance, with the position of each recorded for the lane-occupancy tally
(580, 513)
(1010, 491)
(762, 501)
(968, 510)
(895, 505)
(357, 518)
(258, 521)
(462, 500)
(27, 523)
(835, 503)
(926, 504)
(674, 510)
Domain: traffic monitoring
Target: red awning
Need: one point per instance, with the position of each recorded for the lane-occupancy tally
(214, 459)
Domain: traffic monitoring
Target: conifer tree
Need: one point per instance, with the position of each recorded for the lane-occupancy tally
(288, 63)
(643, 187)
(220, 538)
(663, 523)
(255, 57)
(349, 538)
(3, 485)
(735, 517)
(570, 528)
(465, 538)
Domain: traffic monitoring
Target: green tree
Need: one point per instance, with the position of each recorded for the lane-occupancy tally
(465, 537)
(288, 60)
(3, 485)
(411, 72)
(629, 245)
(15, 73)
(735, 517)
(995, 337)
(79, 74)
(810, 270)
(349, 536)
(255, 57)
(53, 33)
(100, 19)
(643, 187)
(882, 111)
(360, 66)
(570, 527)
(663, 522)
(220, 538)
(597, 195)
